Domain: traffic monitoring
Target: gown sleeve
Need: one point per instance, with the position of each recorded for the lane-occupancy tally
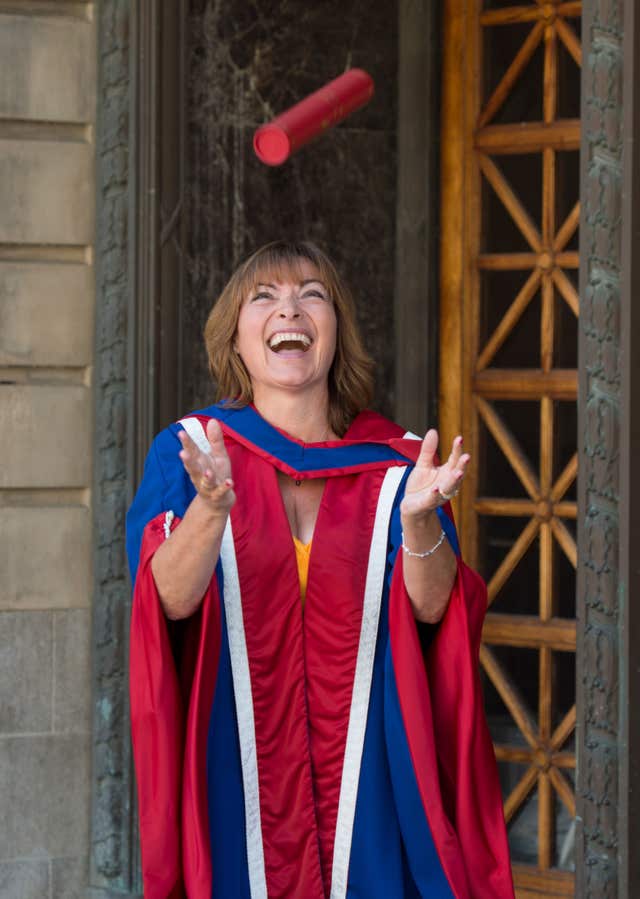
(439, 704)
(165, 487)
(157, 728)
(158, 710)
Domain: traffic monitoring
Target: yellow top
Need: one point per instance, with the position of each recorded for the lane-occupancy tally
(302, 558)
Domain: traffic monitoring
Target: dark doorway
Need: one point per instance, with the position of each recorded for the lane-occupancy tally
(246, 62)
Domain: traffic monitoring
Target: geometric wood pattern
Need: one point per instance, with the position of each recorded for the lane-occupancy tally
(506, 139)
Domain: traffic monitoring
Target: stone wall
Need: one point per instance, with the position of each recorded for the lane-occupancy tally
(47, 186)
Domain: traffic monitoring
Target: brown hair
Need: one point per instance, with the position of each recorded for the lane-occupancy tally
(351, 374)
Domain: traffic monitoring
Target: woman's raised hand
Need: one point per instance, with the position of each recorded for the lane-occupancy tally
(429, 484)
(210, 472)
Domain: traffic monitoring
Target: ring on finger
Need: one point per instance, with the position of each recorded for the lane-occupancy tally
(448, 496)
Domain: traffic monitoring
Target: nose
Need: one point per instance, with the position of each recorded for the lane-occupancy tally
(289, 307)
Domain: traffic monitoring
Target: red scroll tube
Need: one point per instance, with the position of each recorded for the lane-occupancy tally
(276, 141)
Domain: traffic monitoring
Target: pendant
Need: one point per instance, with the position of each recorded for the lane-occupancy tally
(298, 482)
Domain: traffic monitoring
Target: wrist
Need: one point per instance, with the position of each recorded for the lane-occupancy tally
(421, 522)
(423, 553)
(211, 512)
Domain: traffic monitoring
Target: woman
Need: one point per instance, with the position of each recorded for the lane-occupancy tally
(290, 738)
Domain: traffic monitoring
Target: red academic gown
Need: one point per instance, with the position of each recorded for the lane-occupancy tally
(340, 753)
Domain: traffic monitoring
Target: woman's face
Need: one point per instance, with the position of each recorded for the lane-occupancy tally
(286, 332)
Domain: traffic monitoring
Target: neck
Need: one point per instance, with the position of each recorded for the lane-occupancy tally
(303, 415)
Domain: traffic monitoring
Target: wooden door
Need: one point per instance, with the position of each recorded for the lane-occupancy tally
(508, 362)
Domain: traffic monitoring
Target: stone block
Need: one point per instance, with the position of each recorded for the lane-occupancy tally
(24, 879)
(48, 69)
(72, 671)
(45, 435)
(45, 781)
(26, 657)
(69, 878)
(46, 314)
(45, 557)
(47, 192)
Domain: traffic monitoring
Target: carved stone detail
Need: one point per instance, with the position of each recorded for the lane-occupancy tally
(112, 829)
(598, 606)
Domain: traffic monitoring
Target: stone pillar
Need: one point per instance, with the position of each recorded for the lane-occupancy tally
(113, 862)
(608, 687)
(47, 114)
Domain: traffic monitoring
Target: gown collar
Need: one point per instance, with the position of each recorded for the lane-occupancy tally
(370, 442)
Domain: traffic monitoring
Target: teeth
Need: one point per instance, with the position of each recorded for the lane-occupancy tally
(288, 337)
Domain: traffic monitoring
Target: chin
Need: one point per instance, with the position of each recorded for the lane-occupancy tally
(293, 382)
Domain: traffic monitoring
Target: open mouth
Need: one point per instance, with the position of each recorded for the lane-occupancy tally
(289, 340)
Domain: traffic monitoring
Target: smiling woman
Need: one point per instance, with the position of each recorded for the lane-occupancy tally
(286, 339)
(290, 726)
(350, 375)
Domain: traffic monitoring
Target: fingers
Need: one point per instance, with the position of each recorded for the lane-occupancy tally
(190, 452)
(457, 462)
(210, 472)
(451, 476)
(428, 450)
(218, 451)
(215, 491)
(215, 437)
(456, 452)
(199, 465)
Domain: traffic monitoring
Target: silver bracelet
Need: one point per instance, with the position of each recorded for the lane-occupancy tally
(427, 552)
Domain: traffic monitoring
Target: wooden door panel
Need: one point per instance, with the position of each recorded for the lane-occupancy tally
(508, 350)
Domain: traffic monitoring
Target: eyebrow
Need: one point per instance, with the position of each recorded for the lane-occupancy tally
(302, 283)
